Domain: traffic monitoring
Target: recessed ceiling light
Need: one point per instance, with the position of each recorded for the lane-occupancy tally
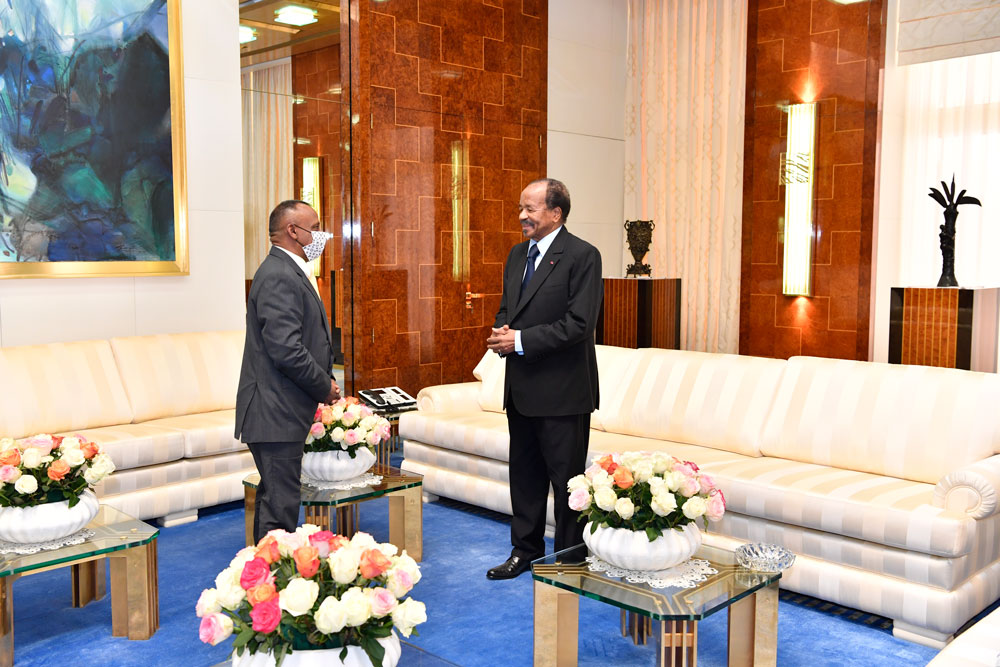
(293, 15)
(247, 34)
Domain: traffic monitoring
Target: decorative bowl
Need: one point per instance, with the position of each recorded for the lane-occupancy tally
(764, 557)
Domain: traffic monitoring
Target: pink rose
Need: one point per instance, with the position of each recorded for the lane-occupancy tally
(321, 541)
(686, 467)
(366, 411)
(9, 474)
(592, 470)
(215, 627)
(689, 486)
(399, 582)
(579, 500)
(352, 437)
(383, 602)
(716, 506)
(317, 430)
(42, 442)
(255, 572)
(319, 413)
(266, 616)
(706, 483)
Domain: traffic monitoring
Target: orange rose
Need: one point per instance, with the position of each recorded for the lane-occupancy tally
(267, 549)
(306, 561)
(338, 541)
(89, 450)
(373, 563)
(58, 469)
(608, 464)
(10, 457)
(623, 478)
(261, 593)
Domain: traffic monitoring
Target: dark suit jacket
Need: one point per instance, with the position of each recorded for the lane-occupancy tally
(557, 316)
(287, 356)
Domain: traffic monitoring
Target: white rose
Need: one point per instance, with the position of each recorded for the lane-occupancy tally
(7, 443)
(91, 477)
(368, 423)
(578, 482)
(26, 484)
(298, 596)
(661, 462)
(388, 549)
(656, 485)
(602, 480)
(409, 614)
(624, 508)
(694, 507)
(242, 557)
(73, 457)
(605, 498)
(631, 459)
(674, 480)
(32, 457)
(663, 504)
(357, 607)
(307, 529)
(363, 541)
(227, 586)
(354, 409)
(338, 413)
(642, 471)
(405, 562)
(70, 442)
(208, 603)
(344, 563)
(331, 616)
(337, 434)
(102, 465)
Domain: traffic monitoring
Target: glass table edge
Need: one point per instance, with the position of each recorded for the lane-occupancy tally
(79, 558)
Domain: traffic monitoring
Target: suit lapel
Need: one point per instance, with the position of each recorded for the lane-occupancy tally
(544, 270)
(289, 262)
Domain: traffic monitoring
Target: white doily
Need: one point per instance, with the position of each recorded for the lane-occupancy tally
(367, 479)
(79, 537)
(688, 574)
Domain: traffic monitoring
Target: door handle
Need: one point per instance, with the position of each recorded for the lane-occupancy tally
(469, 296)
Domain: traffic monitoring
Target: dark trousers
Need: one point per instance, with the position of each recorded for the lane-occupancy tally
(544, 451)
(278, 495)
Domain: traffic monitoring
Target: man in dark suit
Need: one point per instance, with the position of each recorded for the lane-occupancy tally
(552, 293)
(287, 359)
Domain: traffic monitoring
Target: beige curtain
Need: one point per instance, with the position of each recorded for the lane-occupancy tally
(685, 86)
(267, 153)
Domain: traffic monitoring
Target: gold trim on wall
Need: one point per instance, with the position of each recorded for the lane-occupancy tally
(178, 266)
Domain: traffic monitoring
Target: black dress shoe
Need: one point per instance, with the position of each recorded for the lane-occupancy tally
(510, 568)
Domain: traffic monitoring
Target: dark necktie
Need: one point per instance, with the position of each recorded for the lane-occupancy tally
(529, 270)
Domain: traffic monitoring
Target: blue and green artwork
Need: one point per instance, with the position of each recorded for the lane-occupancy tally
(86, 162)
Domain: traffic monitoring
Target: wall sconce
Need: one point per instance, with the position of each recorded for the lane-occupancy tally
(311, 194)
(460, 210)
(797, 177)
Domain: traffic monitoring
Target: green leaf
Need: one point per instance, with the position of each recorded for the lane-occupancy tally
(241, 639)
(652, 533)
(593, 528)
(374, 650)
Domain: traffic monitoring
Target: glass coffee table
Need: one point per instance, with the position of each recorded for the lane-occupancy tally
(405, 507)
(750, 597)
(129, 545)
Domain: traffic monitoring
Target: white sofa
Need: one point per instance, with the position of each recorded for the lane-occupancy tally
(979, 646)
(883, 479)
(162, 406)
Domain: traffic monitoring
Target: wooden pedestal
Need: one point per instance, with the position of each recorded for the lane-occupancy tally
(641, 312)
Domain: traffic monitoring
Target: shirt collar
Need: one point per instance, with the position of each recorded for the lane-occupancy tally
(299, 262)
(544, 244)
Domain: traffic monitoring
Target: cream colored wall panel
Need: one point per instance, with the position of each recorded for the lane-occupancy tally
(210, 28)
(585, 22)
(608, 240)
(586, 90)
(215, 170)
(211, 297)
(58, 311)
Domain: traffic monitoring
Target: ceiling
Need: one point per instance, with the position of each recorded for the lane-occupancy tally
(277, 40)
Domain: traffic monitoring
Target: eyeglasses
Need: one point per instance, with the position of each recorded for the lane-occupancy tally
(304, 229)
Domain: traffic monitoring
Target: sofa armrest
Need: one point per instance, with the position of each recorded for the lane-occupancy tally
(974, 489)
(459, 397)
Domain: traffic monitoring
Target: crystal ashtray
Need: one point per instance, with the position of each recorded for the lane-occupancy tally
(764, 557)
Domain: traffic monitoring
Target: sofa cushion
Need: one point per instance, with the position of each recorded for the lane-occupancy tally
(713, 400)
(60, 387)
(151, 477)
(911, 422)
(490, 371)
(180, 374)
(136, 445)
(885, 510)
(205, 434)
(480, 433)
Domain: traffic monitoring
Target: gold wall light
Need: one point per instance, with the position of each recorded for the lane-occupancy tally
(311, 194)
(797, 176)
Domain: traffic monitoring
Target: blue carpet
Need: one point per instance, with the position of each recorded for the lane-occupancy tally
(472, 621)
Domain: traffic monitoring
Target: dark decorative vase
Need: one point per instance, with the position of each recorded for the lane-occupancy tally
(639, 234)
(950, 203)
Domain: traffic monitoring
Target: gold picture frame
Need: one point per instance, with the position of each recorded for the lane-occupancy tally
(114, 268)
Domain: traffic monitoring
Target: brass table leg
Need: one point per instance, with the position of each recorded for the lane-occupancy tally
(678, 644)
(636, 626)
(556, 626)
(347, 517)
(89, 582)
(249, 512)
(753, 629)
(7, 621)
(319, 515)
(135, 605)
(406, 521)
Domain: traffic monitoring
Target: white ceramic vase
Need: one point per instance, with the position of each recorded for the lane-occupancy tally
(50, 521)
(632, 550)
(337, 465)
(327, 657)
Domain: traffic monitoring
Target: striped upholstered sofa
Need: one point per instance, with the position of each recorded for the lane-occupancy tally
(883, 479)
(162, 406)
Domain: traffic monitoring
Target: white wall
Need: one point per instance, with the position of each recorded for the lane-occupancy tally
(211, 297)
(586, 115)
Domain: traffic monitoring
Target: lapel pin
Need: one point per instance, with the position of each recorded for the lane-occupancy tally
(552, 263)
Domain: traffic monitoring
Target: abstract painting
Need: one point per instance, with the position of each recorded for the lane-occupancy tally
(91, 138)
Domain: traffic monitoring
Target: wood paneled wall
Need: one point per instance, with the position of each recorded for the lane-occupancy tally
(830, 53)
(434, 84)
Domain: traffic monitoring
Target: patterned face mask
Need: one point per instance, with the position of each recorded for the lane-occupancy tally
(315, 249)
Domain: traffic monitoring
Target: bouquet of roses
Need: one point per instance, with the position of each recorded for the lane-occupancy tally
(645, 491)
(312, 589)
(49, 468)
(346, 425)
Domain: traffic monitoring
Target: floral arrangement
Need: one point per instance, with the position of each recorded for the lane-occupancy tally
(346, 425)
(312, 589)
(49, 468)
(645, 491)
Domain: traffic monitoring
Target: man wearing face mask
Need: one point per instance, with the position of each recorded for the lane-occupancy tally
(287, 359)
